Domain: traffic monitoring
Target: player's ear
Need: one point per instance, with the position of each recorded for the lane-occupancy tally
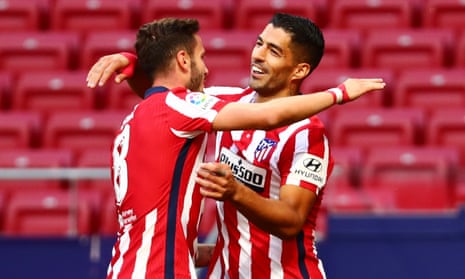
(183, 60)
(301, 71)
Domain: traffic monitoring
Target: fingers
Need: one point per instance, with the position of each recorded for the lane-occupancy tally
(98, 73)
(216, 169)
(209, 188)
(213, 178)
(104, 68)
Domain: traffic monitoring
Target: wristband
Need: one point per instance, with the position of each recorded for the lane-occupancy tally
(340, 95)
(128, 71)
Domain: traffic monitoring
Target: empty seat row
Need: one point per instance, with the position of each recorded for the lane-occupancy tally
(380, 128)
(395, 49)
(56, 206)
(77, 131)
(58, 213)
(51, 91)
(392, 179)
(83, 16)
(366, 128)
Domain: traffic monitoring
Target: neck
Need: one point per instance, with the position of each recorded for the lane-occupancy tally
(265, 97)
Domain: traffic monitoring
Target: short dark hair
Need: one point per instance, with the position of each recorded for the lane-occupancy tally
(307, 41)
(157, 43)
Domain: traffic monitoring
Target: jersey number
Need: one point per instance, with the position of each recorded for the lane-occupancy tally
(120, 167)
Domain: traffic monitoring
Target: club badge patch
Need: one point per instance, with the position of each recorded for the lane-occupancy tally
(264, 148)
(311, 168)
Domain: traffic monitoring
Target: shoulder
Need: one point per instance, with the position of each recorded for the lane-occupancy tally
(228, 93)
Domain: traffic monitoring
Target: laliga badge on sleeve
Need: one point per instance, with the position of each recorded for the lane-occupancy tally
(202, 100)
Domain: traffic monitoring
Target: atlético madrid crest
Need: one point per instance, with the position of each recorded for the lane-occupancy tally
(264, 149)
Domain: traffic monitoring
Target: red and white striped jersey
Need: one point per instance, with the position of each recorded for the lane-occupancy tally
(154, 154)
(264, 160)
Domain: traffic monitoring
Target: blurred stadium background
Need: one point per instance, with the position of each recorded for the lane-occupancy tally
(393, 207)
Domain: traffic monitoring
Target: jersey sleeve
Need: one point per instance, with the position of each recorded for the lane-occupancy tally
(306, 160)
(195, 111)
(230, 94)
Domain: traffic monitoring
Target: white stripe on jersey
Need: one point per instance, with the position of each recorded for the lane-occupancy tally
(123, 248)
(275, 254)
(143, 253)
(186, 134)
(225, 252)
(245, 247)
(301, 141)
(256, 138)
(223, 90)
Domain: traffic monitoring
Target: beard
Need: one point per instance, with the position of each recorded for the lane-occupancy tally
(197, 78)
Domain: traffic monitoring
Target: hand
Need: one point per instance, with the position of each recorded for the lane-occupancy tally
(106, 66)
(217, 181)
(357, 87)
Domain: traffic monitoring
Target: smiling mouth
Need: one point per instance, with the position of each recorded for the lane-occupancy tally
(257, 70)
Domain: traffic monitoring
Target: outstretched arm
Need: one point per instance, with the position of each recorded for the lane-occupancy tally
(286, 110)
(268, 115)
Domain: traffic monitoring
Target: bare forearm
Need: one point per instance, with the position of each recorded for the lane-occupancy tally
(273, 216)
(272, 114)
(287, 110)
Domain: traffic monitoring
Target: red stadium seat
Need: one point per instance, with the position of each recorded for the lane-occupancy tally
(6, 85)
(98, 44)
(2, 209)
(415, 178)
(446, 127)
(460, 194)
(95, 158)
(228, 50)
(34, 158)
(255, 15)
(121, 97)
(406, 49)
(19, 129)
(371, 15)
(210, 14)
(91, 15)
(347, 200)
(430, 89)
(109, 218)
(323, 79)
(33, 51)
(341, 193)
(377, 128)
(51, 91)
(20, 15)
(459, 53)
(447, 14)
(341, 49)
(47, 213)
(82, 130)
(347, 161)
(96, 190)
